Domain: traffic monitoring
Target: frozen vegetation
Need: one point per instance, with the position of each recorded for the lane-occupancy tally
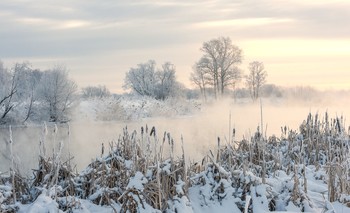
(130, 107)
(300, 171)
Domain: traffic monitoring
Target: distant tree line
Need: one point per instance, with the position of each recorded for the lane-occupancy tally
(218, 69)
(100, 91)
(256, 78)
(216, 72)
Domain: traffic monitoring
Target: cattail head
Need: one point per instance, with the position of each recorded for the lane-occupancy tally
(45, 129)
(164, 136)
(10, 131)
(153, 132)
(168, 135)
(55, 130)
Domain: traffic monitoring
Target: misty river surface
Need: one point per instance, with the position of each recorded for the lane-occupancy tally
(200, 131)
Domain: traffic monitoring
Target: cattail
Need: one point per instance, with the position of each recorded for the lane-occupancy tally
(12, 166)
(55, 131)
(168, 136)
(305, 179)
(102, 150)
(42, 141)
(153, 132)
(164, 137)
(69, 163)
(218, 154)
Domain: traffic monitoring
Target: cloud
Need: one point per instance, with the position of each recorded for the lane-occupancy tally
(246, 22)
(70, 24)
(77, 31)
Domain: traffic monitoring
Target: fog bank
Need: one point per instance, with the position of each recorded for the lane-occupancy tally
(199, 131)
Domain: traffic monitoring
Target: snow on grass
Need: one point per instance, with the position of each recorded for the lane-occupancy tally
(43, 204)
(339, 208)
(137, 181)
(130, 179)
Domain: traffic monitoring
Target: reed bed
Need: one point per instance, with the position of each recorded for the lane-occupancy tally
(140, 170)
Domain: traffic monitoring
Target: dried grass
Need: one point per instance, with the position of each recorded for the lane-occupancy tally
(106, 180)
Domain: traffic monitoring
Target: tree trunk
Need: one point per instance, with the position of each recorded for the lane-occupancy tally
(30, 106)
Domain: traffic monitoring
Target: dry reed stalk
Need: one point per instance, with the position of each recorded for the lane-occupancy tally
(295, 192)
(305, 179)
(12, 169)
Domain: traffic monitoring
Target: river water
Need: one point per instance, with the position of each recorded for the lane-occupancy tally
(200, 131)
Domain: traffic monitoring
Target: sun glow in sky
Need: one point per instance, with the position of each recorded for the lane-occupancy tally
(301, 42)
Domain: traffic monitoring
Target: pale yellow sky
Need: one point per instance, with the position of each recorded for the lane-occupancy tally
(302, 43)
(321, 63)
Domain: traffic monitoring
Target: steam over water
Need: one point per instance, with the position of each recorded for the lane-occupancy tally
(200, 131)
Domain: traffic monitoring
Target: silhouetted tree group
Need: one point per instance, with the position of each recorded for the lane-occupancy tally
(218, 69)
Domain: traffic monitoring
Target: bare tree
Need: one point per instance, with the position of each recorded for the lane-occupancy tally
(198, 77)
(230, 56)
(141, 79)
(219, 63)
(17, 89)
(27, 81)
(57, 92)
(256, 78)
(166, 81)
(34, 79)
(146, 81)
(9, 89)
(4, 77)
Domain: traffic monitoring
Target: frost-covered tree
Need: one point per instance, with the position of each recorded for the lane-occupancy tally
(219, 63)
(28, 80)
(95, 92)
(23, 74)
(57, 93)
(17, 91)
(166, 81)
(199, 78)
(8, 90)
(33, 77)
(145, 80)
(256, 78)
(142, 79)
(30, 94)
(4, 76)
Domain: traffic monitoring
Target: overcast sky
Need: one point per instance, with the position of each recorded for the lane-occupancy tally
(301, 42)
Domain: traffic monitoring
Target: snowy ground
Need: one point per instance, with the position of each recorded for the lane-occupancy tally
(199, 200)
